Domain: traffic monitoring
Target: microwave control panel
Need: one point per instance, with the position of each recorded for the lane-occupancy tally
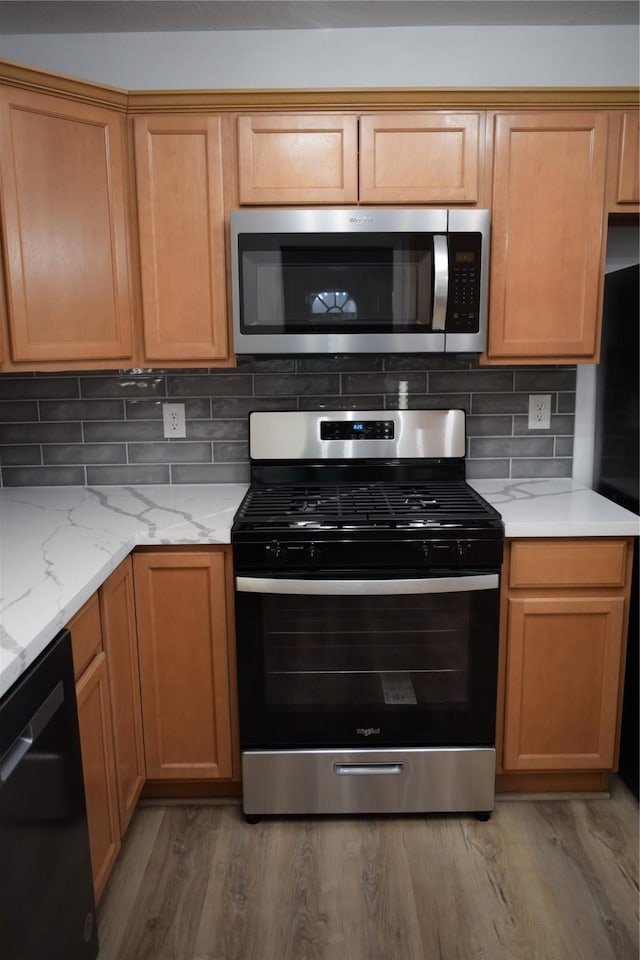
(463, 310)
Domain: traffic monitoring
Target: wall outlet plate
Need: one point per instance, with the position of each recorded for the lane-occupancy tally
(174, 421)
(539, 411)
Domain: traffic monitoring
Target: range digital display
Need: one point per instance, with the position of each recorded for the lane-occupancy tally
(357, 430)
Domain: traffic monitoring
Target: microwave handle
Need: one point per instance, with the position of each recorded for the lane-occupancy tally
(440, 282)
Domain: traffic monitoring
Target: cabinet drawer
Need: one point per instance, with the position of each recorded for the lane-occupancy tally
(86, 635)
(568, 563)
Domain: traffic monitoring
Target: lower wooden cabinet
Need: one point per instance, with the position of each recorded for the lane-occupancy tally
(183, 607)
(565, 612)
(96, 740)
(117, 609)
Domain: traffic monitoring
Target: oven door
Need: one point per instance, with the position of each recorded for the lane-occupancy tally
(371, 661)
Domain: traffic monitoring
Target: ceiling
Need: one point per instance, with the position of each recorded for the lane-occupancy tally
(120, 16)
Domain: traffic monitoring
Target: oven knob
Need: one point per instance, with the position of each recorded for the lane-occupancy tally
(425, 550)
(463, 548)
(314, 554)
(275, 553)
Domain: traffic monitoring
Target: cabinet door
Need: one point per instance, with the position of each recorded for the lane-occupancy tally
(184, 664)
(64, 218)
(94, 718)
(547, 236)
(297, 158)
(117, 608)
(181, 223)
(624, 162)
(563, 672)
(419, 158)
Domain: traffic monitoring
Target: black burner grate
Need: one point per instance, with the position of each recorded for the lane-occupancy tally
(354, 503)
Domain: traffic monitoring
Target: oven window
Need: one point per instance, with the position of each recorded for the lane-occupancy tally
(346, 652)
(318, 670)
(333, 283)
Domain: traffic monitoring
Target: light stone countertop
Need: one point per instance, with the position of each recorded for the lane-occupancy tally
(59, 544)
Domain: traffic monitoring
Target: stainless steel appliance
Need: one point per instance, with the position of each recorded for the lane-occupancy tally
(47, 908)
(367, 585)
(356, 280)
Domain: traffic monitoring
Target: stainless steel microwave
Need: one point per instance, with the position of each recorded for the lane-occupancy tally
(356, 280)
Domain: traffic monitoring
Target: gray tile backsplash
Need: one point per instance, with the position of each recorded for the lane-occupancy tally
(104, 428)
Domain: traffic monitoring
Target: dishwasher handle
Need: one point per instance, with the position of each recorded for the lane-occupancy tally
(32, 730)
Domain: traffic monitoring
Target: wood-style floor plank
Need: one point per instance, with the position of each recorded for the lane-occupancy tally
(542, 880)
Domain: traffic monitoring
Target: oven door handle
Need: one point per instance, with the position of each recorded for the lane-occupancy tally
(461, 584)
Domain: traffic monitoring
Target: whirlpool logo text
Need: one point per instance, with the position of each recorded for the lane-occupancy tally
(368, 731)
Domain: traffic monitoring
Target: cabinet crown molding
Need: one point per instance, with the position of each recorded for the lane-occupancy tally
(396, 98)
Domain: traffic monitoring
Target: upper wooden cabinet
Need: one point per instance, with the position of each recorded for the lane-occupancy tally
(623, 178)
(297, 158)
(547, 236)
(179, 180)
(420, 157)
(64, 222)
(425, 157)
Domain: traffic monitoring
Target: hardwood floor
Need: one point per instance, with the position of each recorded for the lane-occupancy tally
(542, 880)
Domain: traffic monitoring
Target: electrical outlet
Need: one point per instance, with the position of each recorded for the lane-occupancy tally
(173, 419)
(539, 411)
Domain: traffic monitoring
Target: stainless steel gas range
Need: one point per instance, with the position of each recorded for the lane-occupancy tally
(367, 587)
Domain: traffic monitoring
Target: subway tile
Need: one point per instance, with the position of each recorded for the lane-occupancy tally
(138, 473)
(427, 401)
(563, 447)
(21, 455)
(110, 431)
(487, 469)
(171, 451)
(43, 476)
(13, 411)
(419, 361)
(230, 452)
(499, 403)
(489, 426)
(84, 453)
(123, 386)
(210, 473)
(266, 365)
(298, 385)
(215, 385)
(471, 381)
(387, 383)
(545, 379)
(511, 447)
(39, 389)
(218, 430)
(566, 402)
(41, 432)
(81, 410)
(540, 468)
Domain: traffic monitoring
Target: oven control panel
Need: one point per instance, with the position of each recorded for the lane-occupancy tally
(357, 430)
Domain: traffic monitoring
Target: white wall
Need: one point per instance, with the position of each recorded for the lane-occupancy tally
(396, 57)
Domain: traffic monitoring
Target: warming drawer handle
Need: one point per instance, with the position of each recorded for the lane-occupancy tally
(349, 588)
(367, 769)
(24, 741)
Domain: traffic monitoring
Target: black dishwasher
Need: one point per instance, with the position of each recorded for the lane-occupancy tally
(47, 909)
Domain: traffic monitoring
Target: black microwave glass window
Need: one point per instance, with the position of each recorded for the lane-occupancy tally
(335, 283)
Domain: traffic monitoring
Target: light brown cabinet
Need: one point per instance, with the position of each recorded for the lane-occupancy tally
(65, 231)
(96, 741)
(623, 194)
(547, 236)
(565, 611)
(400, 158)
(183, 607)
(117, 610)
(181, 218)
